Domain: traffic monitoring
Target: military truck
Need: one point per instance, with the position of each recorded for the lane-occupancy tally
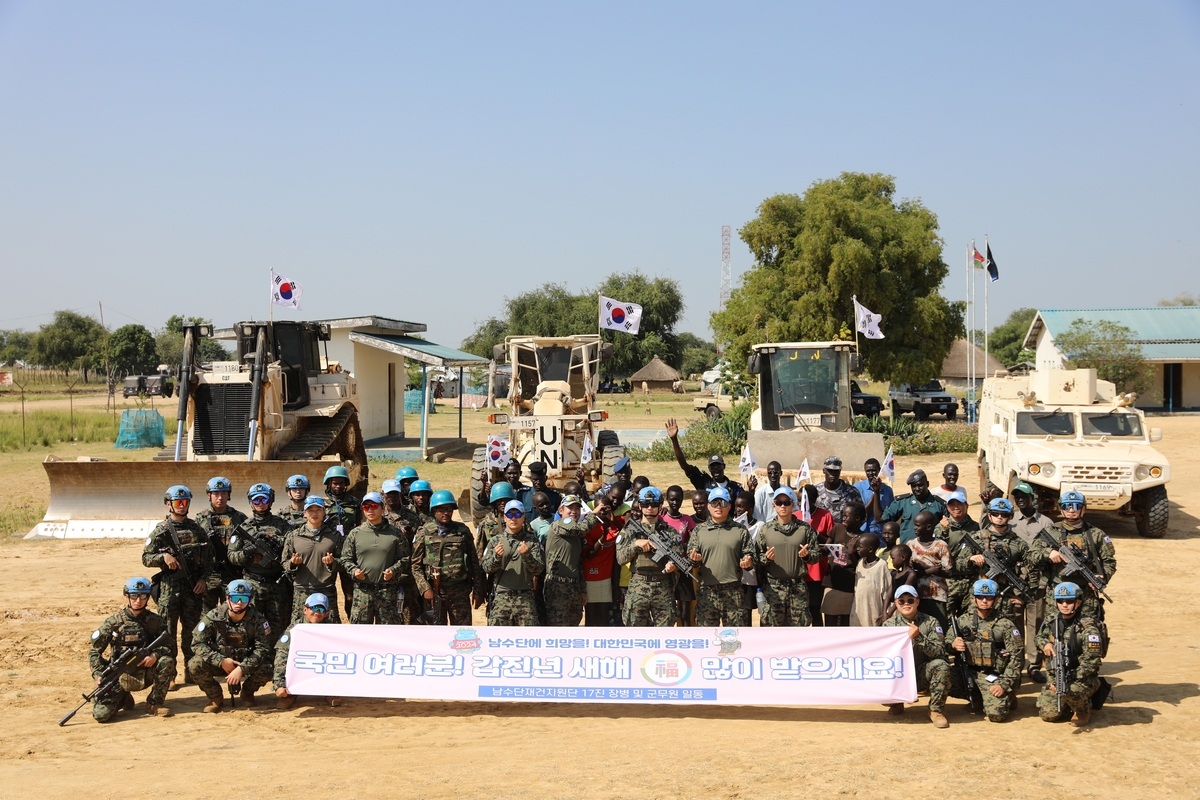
(1064, 429)
(552, 413)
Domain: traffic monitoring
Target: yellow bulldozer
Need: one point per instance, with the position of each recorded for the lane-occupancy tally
(278, 410)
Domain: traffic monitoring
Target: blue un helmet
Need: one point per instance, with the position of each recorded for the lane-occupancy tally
(239, 587)
(650, 495)
(177, 493)
(260, 490)
(1001, 506)
(442, 498)
(985, 587)
(335, 472)
(502, 491)
(420, 486)
(298, 482)
(406, 473)
(136, 586)
(1067, 591)
(219, 484)
(1072, 498)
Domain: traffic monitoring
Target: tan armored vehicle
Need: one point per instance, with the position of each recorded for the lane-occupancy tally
(1061, 430)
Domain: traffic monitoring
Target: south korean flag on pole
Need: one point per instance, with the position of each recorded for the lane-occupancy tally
(285, 292)
(497, 452)
(618, 316)
(588, 450)
(888, 470)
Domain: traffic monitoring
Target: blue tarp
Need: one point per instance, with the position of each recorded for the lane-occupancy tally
(141, 428)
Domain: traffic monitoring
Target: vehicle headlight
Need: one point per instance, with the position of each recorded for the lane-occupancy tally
(1142, 472)
(1156, 472)
(1035, 469)
(1047, 470)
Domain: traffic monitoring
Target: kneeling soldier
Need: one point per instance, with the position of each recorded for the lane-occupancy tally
(929, 652)
(317, 610)
(1073, 645)
(232, 643)
(514, 557)
(131, 628)
(993, 648)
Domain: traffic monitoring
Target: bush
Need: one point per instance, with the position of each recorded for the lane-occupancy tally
(725, 436)
(953, 438)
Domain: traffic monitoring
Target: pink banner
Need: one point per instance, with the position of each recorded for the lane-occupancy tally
(727, 666)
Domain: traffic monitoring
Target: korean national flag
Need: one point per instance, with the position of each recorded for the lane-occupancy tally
(497, 451)
(618, 316)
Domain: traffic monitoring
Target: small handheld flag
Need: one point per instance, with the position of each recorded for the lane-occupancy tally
(586, 456)
(618, 316)
(805, 476)
(497, 451)
(805, 511)
(285, 292)
(747, 464)
(888, 470)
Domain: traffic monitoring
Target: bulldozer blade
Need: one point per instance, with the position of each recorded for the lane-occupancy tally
(791, 447)
(97, 499)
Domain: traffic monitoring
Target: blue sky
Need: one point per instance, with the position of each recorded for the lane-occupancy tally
(425, 161)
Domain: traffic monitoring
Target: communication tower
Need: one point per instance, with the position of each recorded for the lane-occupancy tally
(726, 271)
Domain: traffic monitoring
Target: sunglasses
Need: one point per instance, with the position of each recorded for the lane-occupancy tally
(514, 514)
(717, 503)
(783, 501)
(1072, 506)
(239, 598)
(369, 504)
(318, 609)
(999, 514)
(651, 503)
(260, 501)
(906, 600)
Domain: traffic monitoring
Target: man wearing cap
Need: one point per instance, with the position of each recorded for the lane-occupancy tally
(566, 585)
(444, 556)
(233, 646)
(623, 474)
(993, 651)
(219, 521)
(257, 547)
(929, 653)
(721, 549)
(833, 493)
(310, 559)
(377, 556)
(512, 556)
(650, 598)
(784, 548)
(951, 529)
(1093, 546)
(395, 511)
(875, 495)
(132, 628)
(315, 610)
(1085, 646)
(703, 481)
(297, 490)
(343, 514)
(1027, 523)
(904, 509)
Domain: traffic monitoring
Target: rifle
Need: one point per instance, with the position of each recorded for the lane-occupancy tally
(1077, 564)
(175, 549)
(964, 669)
(121, 663)
(433, 616)
(1062, 661)
(995, 566)
(663, 552)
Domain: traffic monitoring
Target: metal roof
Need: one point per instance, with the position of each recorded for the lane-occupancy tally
(426, 352)
(369, 321)
(1166, 333)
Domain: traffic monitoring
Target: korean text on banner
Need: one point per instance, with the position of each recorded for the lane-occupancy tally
(748, 666)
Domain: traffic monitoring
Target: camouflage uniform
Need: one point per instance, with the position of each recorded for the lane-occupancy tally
(513, 603)
(491, 525)
(785, 587)
(566, 586)
(219, 528)
(719, 596)
(312, 575)
(247, 642)
(1084, 638)
(452, 551)
(1097, 552)
(994, 650)
(929, 652)
(128, 631)
(834, 500)
(650, 598)
(375, 549)
(1007, 547)
(408, 522)
(177, 601)
(272, 589)
(344, 515)
(294, 517)
(284, 646)
(958, 583)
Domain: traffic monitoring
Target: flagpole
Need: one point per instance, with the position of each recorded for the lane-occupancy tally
(986, 280)
(270, 298)
(857, 347)
(970, 382)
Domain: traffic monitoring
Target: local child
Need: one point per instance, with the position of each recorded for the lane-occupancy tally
(872, 584)
(931, 560)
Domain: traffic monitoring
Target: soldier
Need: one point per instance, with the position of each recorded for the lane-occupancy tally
(405, 477)
(566, 586)
(233, 643)
(514, 557)
(179, 548)
(497, 497)
(310, 559)
(378, 557)
(951, 528)
(722, 549)
(784, 547)
(993, 650)
(1085, 646)
(904, 509)
(998, 537)
(132, 628)
(219, 521)
(257, 548)
(1093, 547)
(929, 653)
(344, 514)
(420, 493)
(444, 561)
(833, 493)
(297, 491)
(1026, 525)
(316, 610)
(396, 512)
(650, 598)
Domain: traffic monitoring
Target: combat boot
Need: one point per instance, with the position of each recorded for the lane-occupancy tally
(127, 701)
(214, 705)
(1081, 718)
(247, 696)
(895, 709)
(939, 719)
(285, 702)
(155, 710)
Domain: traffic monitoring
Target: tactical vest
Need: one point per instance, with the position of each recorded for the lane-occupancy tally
(448, 552)
(985, 651)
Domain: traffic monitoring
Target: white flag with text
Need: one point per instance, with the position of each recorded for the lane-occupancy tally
(866, 321)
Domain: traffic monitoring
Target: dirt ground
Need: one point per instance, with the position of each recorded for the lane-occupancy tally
(1138, 745)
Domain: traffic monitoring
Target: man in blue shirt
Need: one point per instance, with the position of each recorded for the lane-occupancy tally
(876, 496)
(905, 508)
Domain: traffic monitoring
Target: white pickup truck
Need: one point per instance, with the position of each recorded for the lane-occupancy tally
(923, 400)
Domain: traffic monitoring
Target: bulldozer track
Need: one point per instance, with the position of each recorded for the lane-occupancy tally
(319, 436)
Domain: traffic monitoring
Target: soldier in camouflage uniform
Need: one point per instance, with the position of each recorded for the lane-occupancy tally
(722, 549)
(929, 653)
(132, 628)
(233, 645)
(405, 519)
(257, 548)
(377, 557)
(420, 494)
(183, 576)
(1095, 548)
(650, 598)
(444, 550)
(950, 530)
(297, 491)
(310, 559)
(993, 649)
(514, 557)
(405, 477)
(1085, 647)
(219, 521)
(998, 537)
(565, 589)
(496, 496)
(344, 513)
(317, 610)
(784, 547)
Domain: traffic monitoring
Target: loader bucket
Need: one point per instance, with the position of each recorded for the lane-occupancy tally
(97, 499)
(790, 448)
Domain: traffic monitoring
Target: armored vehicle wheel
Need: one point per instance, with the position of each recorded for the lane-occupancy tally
(612, 455)
(479, 471)
(1152, 510)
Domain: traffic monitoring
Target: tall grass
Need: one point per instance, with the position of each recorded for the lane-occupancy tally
(48, 428)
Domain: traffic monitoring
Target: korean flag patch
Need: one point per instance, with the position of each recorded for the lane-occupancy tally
(232, 539)
(283, 639)
(1091, 638)
(1107, 540)
(1016, 633)
(938, 628)
(200, 627)
(266, 627)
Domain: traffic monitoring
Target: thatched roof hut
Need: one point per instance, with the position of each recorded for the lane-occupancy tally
(954, 368)
(657, 375)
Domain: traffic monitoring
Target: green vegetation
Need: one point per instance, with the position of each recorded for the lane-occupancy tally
(1005, 340)
(703, 438)
(48, 428)
(1110, 349)
(907, 437)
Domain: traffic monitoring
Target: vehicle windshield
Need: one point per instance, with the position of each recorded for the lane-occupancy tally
(1043, 423)
(554, 363)
(1114, 423)
(932, 386)
(804, 381)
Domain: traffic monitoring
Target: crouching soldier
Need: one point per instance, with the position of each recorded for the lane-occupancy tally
(993, 649)
(133, 628)
(232, 644)
(1073, 645)
(929, 651)
(317, 611)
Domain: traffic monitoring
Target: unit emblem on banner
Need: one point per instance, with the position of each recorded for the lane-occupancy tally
(466, 641)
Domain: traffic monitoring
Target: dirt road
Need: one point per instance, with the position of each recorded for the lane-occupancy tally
(1142, 744)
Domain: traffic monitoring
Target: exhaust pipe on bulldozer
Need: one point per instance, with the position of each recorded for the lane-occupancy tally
(256, 378)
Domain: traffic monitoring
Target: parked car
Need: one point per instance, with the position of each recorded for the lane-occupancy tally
(863, 404)
(923, 400)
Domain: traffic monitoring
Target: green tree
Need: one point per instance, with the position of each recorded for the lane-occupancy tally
(1110, 349)
(62, 344)
(1006, 339)
(487, 335)
(132, 350)
(169, 343)
(1182, 299)
(15, 346)
(847, 236)
(698, 355)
